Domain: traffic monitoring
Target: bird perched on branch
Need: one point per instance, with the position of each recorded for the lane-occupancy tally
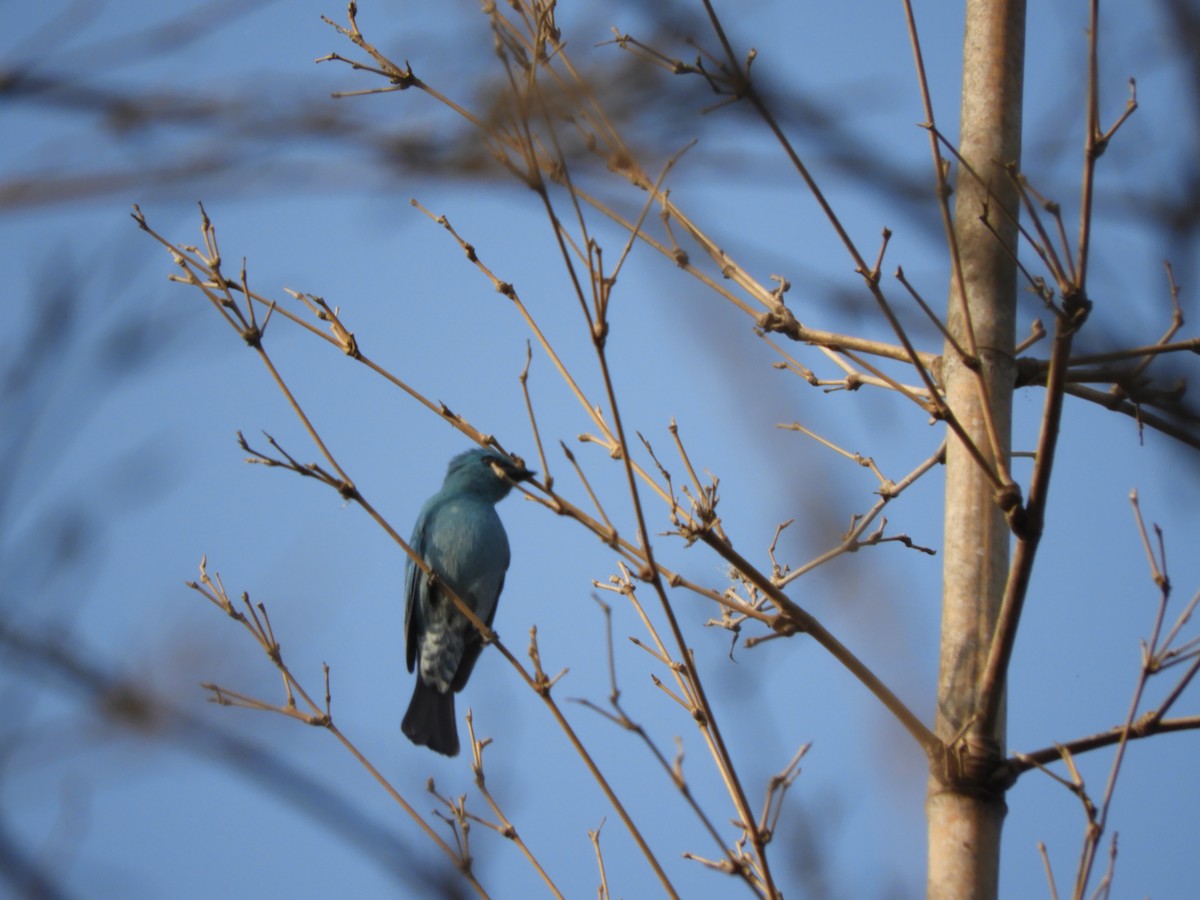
(462, 539)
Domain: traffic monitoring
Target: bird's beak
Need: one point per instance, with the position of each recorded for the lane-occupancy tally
(512, 471)
(519, 473)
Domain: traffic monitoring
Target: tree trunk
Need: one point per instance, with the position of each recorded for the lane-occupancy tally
(964, 817)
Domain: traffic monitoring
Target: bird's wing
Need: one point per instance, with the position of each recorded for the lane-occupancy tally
(484, 580)
(415, 587)
(473, 646)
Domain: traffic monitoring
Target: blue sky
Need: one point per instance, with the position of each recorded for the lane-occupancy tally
(129, 431)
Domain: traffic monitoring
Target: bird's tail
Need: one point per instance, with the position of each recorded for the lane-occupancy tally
(430, 719)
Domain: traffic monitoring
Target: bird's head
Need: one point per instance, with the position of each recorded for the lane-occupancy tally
(485, 471)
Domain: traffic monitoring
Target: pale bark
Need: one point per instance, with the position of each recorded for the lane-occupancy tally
(964, 817)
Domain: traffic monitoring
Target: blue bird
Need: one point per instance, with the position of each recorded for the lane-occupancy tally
(462, 539)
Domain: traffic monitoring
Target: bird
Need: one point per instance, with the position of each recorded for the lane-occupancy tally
(461, 538)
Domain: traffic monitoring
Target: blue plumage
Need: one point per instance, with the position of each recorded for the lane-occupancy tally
(459, 534)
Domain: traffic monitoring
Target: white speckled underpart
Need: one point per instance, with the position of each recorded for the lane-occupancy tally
(442, 644)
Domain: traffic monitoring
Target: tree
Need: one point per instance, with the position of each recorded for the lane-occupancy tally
(548, 128)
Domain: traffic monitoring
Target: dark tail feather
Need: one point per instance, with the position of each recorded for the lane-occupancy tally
(430, 719)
